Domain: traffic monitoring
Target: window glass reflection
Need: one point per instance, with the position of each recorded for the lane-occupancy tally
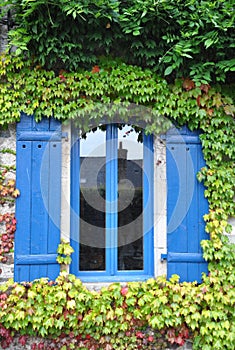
(92, 202)
(130, 199)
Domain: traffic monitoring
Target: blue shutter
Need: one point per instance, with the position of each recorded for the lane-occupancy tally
(186, 205)
(38, 178)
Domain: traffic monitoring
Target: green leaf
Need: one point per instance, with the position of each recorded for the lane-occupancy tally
(168, 70)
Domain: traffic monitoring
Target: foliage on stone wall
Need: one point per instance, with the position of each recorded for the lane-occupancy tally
(116, 90)
(194, 43)
(8, 193)
(111, 88)
(138, 315)
(207, 310)
(174, 38)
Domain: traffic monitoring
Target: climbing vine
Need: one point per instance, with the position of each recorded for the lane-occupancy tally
(88, 62)
(112, 88)
(174, 38)
(139, 315)
(64, 251)
(8, 194)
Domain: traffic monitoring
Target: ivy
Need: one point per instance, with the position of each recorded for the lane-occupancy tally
(108, 89)
(83, 61)
(156, 313)
(173, 38)
(8, 194)
(64, 251)
(7, 237)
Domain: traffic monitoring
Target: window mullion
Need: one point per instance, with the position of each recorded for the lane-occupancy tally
(111, 198)
(148, 203)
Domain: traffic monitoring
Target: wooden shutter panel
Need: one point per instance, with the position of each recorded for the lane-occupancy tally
(38, 177)
(186, 206)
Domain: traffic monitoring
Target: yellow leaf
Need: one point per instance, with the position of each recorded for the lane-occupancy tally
(71, 304)
(16, 193)
(11, 183)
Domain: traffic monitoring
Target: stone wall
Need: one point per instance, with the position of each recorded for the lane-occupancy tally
(3, 37)
(7, 141)
(32, 340)
(4, 30)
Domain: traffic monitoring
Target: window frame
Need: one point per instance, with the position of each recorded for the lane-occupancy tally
(112, 274)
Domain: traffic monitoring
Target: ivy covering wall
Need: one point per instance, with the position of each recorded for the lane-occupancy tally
(84, 60)
(176, 38)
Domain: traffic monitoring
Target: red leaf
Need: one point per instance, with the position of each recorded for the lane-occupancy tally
(188, 84)
(62, 77)
(124, 291)
(184, 332)
(139, 335)
(41, 346)
(210, 111)
(198, 100)
(205, 88)
(95, 69)
(179, 340)
(150, 338)
(22, 340)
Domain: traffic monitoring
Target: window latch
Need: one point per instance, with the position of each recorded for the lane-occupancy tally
(65, 136)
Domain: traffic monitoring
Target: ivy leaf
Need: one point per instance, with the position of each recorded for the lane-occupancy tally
(71, 304)
(229, 110)
(168, 70)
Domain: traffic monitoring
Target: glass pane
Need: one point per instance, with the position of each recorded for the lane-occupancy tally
(92, 202)
(130, 199)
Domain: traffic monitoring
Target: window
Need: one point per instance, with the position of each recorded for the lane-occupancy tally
(112, 204)
(99, 194)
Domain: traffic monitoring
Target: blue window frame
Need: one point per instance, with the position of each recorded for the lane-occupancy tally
(112, 249)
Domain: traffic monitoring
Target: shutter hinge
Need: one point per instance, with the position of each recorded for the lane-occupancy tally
(163, 257)
(65, 136)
